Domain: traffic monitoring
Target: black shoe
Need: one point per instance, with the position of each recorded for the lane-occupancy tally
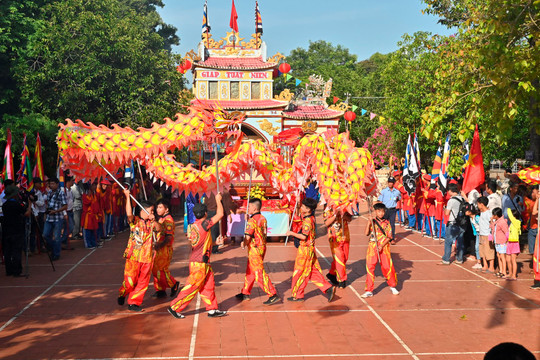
(330, 293)
(332, 278)
(292, 298)
(342, 284)
(160, 294)
(536, 285)
(217, 313)
(242, 297)
(133, 307)
(121, 300)
(54, 258)
(174, 313)
(272, 300)
(175, 288)
(216, 252)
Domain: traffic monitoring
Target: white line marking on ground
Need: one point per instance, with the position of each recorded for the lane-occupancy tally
(44, 292)
(287, 356)
(477, 275)
(372, 310)
(195, 327)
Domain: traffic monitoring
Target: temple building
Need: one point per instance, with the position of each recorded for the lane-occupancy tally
(238, 76)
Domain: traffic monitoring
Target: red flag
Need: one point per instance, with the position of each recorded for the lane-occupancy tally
(336, 99)
(234, 16)
(474, 168)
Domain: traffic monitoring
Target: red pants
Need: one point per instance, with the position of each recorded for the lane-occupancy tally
(162, 276)
(536, 258)
(306, 267)
(340, 253)
(136, 279)
(255, 272)
(387, 266)
(200, 279)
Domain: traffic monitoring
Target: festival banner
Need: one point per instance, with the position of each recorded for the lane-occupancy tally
(474, 168)
(38, 158)
(24, 175)
(411, 170)
(443, 175)
(435, 172)
(258, 19)
(7, 171)
(205, 24)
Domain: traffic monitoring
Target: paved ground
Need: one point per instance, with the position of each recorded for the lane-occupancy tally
(443, 312)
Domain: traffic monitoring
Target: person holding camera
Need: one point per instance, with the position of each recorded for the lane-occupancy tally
(13, 230)
(54, 221)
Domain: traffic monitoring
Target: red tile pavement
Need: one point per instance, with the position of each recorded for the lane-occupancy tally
(443, 312)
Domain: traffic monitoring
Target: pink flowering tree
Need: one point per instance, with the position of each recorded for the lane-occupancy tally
(382, 147)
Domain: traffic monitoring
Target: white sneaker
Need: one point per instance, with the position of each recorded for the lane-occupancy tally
(477, 266)
(394, 291)
(367, 294)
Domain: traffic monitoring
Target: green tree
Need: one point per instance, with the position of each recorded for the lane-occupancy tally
(348, 75)
(100, 61)
(493, 64)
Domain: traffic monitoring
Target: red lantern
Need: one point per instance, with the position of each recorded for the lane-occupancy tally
(275, 73)
(187, 65)
(284, 68)
(179, 69)
(350, 116)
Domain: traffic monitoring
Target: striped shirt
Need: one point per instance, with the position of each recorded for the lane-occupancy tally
(57, 200)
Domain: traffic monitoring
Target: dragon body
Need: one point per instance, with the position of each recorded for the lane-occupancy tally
(344, 173)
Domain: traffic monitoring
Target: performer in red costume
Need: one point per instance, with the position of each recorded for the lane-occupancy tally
(164, 251)
(201, 276)
(379, 251)
(306, 265)
(340, 239)
(139, 254)
(255, 240)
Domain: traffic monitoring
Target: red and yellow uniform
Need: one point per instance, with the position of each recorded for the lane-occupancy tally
(256, 229)
(372, 258)
(139, 256)
(164, 251)
(306, 265)
(201, 276)
(340, 239)
(91, 208)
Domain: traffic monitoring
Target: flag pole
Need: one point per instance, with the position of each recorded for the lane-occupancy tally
(249, 194)
(122, 187)
(296, 200)
(142, 180)
(217, 183)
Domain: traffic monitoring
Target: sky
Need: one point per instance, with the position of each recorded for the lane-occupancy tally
(363, 26)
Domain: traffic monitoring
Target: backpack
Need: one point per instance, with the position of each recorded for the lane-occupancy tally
(461, 218)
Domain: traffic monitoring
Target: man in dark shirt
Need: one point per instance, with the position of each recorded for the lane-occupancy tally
(13, 230)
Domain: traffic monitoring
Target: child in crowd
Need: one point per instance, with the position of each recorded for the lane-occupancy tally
(379, 251)
(475, 223)
(487, 249)
(499, 230)
(512, 249)
(234, 224)
(139, 254)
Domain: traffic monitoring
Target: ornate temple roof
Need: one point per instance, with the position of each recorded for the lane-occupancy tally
(236, 63)
(312, 112)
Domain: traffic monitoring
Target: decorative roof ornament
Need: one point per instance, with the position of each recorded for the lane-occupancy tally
(315, 93)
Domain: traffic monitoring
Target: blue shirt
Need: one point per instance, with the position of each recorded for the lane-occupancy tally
(508, 202)
(390, 197)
